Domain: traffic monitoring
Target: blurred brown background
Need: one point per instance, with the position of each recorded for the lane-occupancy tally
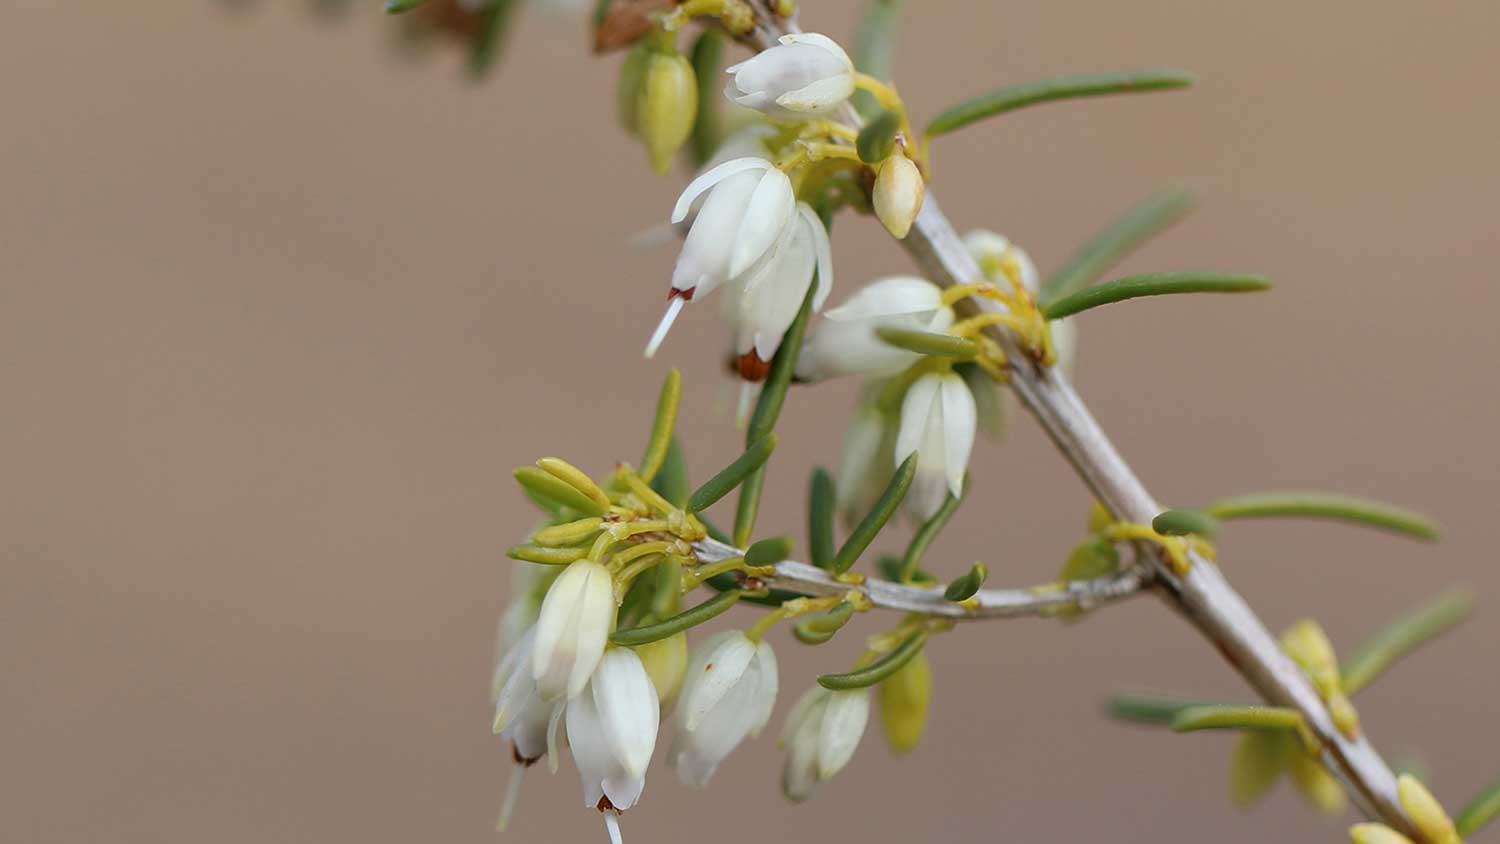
(281, 306)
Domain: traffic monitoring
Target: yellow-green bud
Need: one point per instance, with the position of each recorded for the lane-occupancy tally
(665, 661)
(666, 106)
(904, 698)
(1374, 833)
(1260, 758)
(1308, 646)
(1425, 811)
(898, 194)
(1317, 786)
(632, 76)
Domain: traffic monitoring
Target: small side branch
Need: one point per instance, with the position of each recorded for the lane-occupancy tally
(987, 603)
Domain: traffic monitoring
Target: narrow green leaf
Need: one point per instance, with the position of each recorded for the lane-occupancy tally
(964, 587)
(879, 670)
(732, 475)
(912, 559)
(1148, 218)
(667, 403)
(820, 628)
(821, 504)
(1185, 522)
(708, 130)
(878, 138)
(875, 47)
(1320, 505)
(548, 487)
(1048, 90)
(928, 343)
(495, 22)
(546, 556)
(747, 506)
(1403, 636)
(1154, 284)
(773, 393)
(672, 479)
(1151, 709)
(396, 7)
(864, 533)
(769, 551)
(1218, 717)
(685, 620)
(1481, 810)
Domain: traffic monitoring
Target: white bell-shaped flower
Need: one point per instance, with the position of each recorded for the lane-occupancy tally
(805, 75)
(571, 629)
(938, 421)
(865, 466)
(729, 694)
(612, 729)
(749, 206)
(821, 734)
(998, 259)
(762, 308)
(522, 718)
(845, 342)
(528, 582)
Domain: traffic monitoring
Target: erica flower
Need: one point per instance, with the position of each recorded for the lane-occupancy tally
(748, 208)
(522, 718)
(999, 260)
(865, 466)
(821, 734)
(729, 694)
(804, 76)
(612, 731)
(938, 421)
(571, 629)
(845, 342)
(763, 307)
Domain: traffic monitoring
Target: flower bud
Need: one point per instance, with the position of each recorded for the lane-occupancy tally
(667, 105)
(803, 76)
(904, 699)
(821, 734)
(938, 422)
(1425, 811)
(898, 194)
(666, 662)
(730, 691)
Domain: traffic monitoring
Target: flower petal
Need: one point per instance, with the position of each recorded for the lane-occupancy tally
(628, 709)
(960, 421)
(843, 726)
(916, 411)
(707, 180)
(889, 296)
(720, 669)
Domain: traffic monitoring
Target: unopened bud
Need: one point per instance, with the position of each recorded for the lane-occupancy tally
(904, 698)
(898, 194)
(667, 106)
(1425, 811)
(666, 662)
(1374, 833)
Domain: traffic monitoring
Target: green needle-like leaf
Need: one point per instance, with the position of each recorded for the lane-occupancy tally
(1216, 717)
(672, 479)
(1480, 811)
(685, 620)
(1320, 505)
(878, 138)
(820, 628)
(1185, 522)
(875, 47)
(769, 551)
(912, 559)
(821, 504)
(877, 671)
(747, 506)
(732, 475)
(864, 533)
(1403, 636)
(546, 556)
(667, 403)
(1121, 237)
(1049, 90)
(1152, 709)
(396, 7)
(964, 588)
(1154, 284)
(928, 343)
(492, 28)
(540, 483)
(708, 129)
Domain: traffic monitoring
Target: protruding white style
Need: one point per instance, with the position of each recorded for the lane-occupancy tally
(805, 75)
(898, 194)
(729, 695)
(938, 421)
(762, 308)
(612, 729)
(998, 259)
(749, 206)
(821, 734)
(571, 630)
(845, 342)
(865, 466)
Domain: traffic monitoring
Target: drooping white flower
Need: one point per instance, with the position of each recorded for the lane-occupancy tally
(803, 76)
(749, 206)
(999, 259)
(938, 420)
(763, 306)
(731, 689)
(522, 718)
(845, 342)
(865, 466)
(612, 729)
(571, 629)
(820, 737)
